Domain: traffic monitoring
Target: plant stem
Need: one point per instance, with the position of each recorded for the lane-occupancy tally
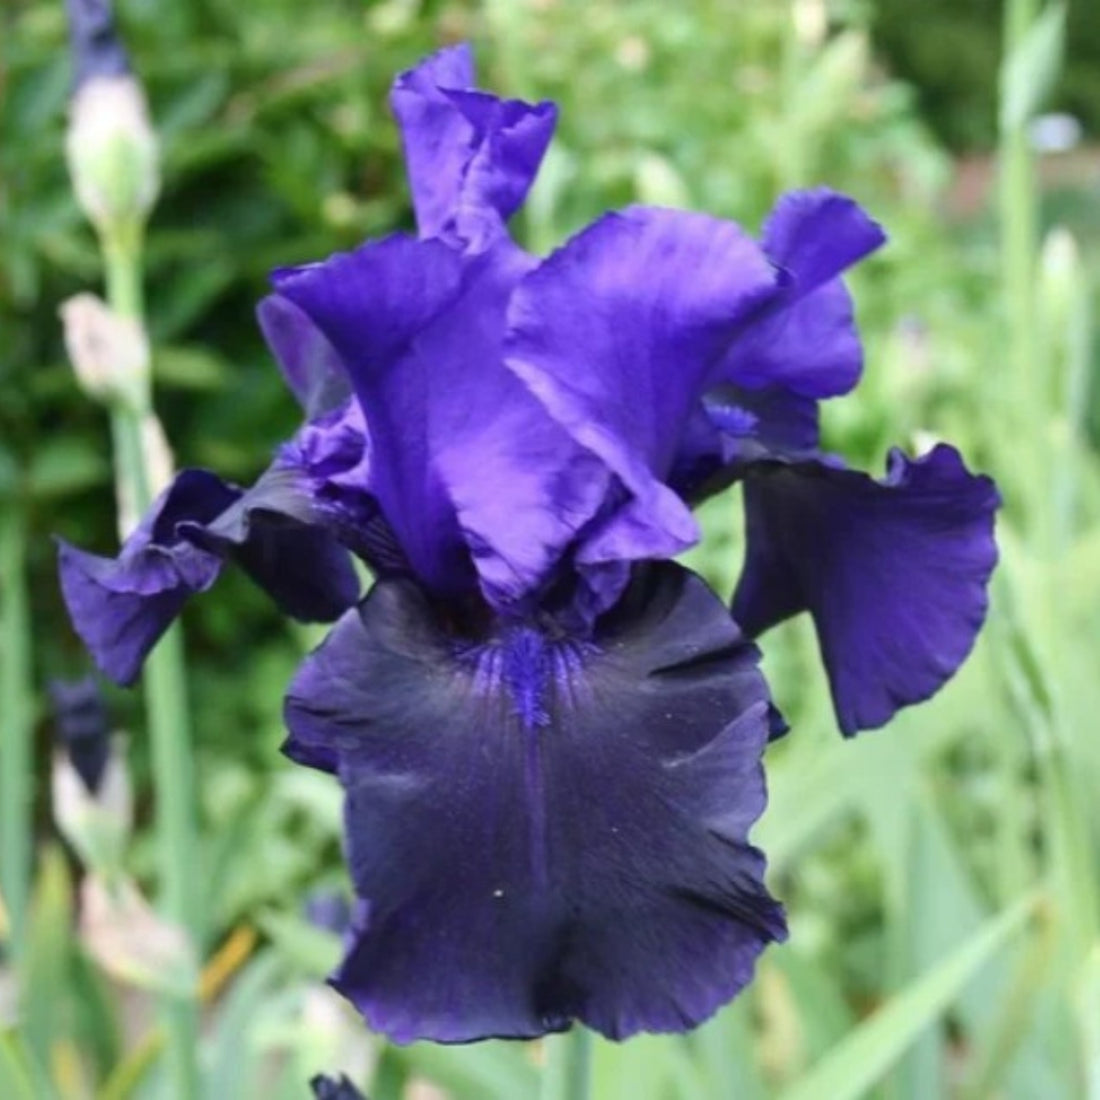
(16, 726)
(567, 1075)
(165, 688)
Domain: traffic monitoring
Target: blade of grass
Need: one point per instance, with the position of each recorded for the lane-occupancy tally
(860, 1062)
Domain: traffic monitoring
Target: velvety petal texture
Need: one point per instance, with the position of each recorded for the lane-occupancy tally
(894, 572)
(471, 157)
(121, 606)
(543, 829)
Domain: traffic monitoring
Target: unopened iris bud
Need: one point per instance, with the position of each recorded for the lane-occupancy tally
(92, 801)
(328, 1088)
(111, 147)
(109, 352)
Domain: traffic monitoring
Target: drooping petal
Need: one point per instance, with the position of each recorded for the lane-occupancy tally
(617, 334)
(540, 829)
(894, 572)
(806, 341)
(309, 363)
(471, 157)
(272, 532)
(121, 606)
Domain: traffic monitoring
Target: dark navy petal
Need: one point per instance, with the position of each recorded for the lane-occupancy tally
(274, 533)
(806, 340)
(309, 363)
(328, 1088)
(617, 334)
(83, 726)
(894, 572)
(541, 829)
(471, 157)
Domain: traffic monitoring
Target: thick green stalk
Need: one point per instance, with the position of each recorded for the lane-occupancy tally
(165, 688)
(568, 1071)
(16, 726)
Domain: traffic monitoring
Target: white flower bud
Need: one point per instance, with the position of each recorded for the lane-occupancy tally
(109, 352)
(112, 151)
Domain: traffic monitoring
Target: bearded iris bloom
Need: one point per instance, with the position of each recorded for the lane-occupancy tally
(549, 735)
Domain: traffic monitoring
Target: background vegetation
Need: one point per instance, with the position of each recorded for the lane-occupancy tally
(942, 876)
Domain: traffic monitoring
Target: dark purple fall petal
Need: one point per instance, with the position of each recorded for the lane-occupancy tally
(328, 1088)
(83, 726)
(471, 157)
(616, 334)
(540, 829)
(894, 572)
(273, 532)
(121, 606)
(309, 363)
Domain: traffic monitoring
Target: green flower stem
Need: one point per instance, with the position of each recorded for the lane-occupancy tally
(568, 1071)
(16, 725)
(1019, 228)
(165, 688)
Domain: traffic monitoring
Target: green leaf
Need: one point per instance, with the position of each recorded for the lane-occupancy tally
(489, 1071)
(15, 1079)
(858, 1063)
(1029, 72)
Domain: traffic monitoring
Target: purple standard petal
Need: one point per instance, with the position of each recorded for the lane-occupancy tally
(466, 465)
(543, 830)
(309, 363)
(372, 304)
(617, 334)
(806, 340)
(894, 572)
(471, 157)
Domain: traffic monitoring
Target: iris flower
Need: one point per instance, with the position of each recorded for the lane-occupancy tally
(549, 734)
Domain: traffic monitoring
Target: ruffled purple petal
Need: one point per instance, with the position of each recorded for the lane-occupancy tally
(373, 304)
(471, 157)
(466, 465)
(272, 533)
(894, 572)
(617, 334)
(806, 340)
(309, 363)
(542, 829)
(121, 606)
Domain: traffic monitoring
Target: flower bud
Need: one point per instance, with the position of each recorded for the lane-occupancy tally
(111, 147)
(109, 352)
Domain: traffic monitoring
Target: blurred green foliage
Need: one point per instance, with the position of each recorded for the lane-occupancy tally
(894, 853)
